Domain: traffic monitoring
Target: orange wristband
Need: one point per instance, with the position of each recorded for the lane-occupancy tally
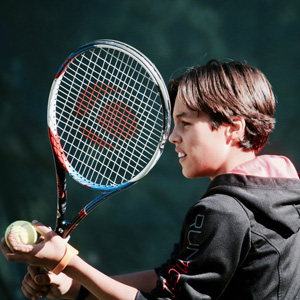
(70, 252)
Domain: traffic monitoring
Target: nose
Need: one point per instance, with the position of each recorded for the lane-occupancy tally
(174, 136)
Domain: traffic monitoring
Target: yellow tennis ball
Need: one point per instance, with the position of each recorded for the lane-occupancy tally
(24, 231)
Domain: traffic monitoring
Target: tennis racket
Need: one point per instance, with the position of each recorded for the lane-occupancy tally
(108, 120)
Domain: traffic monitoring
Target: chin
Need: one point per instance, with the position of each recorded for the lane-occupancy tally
(192, 175)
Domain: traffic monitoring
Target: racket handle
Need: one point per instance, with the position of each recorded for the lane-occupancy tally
(43, 271)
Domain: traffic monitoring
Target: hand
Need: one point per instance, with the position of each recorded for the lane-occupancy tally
(46, 253)
(36, 285)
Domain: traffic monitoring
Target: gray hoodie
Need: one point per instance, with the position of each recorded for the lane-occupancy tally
(240, 241)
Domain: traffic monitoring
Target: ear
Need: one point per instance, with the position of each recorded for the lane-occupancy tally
(235, 132)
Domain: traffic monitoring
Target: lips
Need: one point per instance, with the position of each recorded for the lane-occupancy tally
(180, 153)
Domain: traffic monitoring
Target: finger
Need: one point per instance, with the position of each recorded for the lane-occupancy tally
(30, 285)
(15, 246)
(3, 246)
(11, 254)
(35, 287)
(30, 289)
(27, 293)
(33, 270)
(41, 239)
(41, 279)
(31, 293)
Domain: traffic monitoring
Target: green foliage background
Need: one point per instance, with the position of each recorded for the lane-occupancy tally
(136, 229)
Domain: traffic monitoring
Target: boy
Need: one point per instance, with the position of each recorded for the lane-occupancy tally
(241, 240)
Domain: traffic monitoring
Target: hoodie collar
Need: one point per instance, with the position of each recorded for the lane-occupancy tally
(275, 202)
(267, 166)
(269, 186)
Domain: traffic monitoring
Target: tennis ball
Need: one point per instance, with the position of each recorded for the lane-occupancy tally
(25, 233)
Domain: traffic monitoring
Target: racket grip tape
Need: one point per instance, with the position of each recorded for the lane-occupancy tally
(69, 254)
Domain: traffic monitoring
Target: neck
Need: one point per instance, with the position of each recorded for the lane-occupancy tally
(235, 159)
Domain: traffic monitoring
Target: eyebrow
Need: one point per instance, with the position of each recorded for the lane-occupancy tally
(181, 115)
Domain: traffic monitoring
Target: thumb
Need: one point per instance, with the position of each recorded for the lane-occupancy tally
(42, 279)
(43, 230)
(47, 278)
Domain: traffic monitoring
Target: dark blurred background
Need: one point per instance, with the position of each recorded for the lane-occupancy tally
(136, 229)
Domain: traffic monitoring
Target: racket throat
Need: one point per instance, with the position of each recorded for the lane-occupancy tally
(62, 227)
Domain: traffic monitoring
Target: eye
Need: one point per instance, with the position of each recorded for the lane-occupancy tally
(184, 123)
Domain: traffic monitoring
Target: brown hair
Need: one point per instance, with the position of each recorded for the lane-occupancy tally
(227, 89)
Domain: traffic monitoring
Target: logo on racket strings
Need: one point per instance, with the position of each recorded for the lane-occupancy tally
(114, 119)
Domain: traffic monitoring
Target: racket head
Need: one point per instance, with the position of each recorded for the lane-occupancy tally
(108, 115)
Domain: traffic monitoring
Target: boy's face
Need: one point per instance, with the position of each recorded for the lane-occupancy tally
(202, 152)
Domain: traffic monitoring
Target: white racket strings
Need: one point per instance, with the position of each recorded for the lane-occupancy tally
(109, 116)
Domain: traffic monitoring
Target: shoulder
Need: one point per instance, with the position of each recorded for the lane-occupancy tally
(219, 204)
(223, 197)
(219, 212)
(216, 223)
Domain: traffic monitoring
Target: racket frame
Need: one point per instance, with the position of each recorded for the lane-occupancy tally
(62, 165)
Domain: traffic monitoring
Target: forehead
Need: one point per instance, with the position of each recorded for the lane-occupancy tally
(181, 110)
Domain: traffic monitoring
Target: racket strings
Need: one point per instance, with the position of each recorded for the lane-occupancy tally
(121, 86)
(109, 118)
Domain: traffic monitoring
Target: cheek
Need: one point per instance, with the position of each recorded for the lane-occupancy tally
(205, 158)
(197, 161)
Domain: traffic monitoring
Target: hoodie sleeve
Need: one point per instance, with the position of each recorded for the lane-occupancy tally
(215, 239)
